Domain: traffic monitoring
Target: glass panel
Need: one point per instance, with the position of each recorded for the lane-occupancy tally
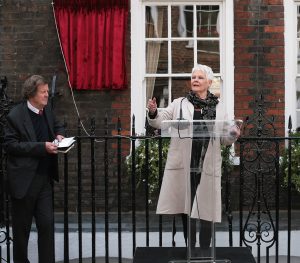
(208, 21)
(182, 21)
(298, 21)
(208, 54)
(298, 59)
(298, 120)
(215, 87)
(180, 87)
(182, 57)
(188, 11)
(156, 57)
(298, 92)
(158, 88)
(156, 21)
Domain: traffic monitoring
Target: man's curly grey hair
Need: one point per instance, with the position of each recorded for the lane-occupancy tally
(31, 84)
(205, 69)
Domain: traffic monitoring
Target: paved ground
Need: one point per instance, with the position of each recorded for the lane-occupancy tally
(167, 222)
(102, 260)
(222, 238)
(281, 259)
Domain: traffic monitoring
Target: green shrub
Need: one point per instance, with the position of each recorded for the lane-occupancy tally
(140, 165)
(227, 160)
(295, 162)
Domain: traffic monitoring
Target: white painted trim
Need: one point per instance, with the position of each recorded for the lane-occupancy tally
(138, 94)
(228, 66)
(290, 60)
(179, 2)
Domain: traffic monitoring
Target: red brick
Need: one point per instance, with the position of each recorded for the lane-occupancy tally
(271, 56)
(275, 2)
(244, 42)
(274, 70)
(274, 42)
(275, 112)
(276, 29)
(243, 84)
(245, 29)
(277, 63)
(243, 15)
(271, 15)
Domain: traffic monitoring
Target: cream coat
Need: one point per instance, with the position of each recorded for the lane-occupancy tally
(174, 196)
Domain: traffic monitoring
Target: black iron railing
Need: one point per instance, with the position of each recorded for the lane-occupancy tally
(259, 218)
(5, 238)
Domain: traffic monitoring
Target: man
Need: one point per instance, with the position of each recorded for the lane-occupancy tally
(31, 167)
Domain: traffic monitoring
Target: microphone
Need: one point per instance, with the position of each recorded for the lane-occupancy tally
(182, 122)
(180, 111)
(233, 133)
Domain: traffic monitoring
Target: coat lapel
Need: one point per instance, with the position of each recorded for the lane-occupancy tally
(190, 109)
(49, 121)
(28, 124)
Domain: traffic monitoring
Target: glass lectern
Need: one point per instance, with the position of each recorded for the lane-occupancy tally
(205, 191)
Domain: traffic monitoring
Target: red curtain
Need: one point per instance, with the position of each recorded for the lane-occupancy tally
(92, 35)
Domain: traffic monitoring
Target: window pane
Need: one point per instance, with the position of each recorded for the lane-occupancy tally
(156, 23)
(215, 87)
(298, 21)
(158, 88)
(182, 57)
(208, 54)
(157, 57)
(182, 21)
(180, 87)
(188, 12)
(298, 92)
(207, 21)
(298, 59)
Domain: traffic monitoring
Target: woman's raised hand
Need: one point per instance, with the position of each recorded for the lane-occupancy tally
(152, 106)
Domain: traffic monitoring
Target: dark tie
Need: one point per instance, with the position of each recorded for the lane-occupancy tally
(40, 112)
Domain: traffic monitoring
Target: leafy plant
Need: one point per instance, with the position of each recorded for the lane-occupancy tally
(227, 160)
(153, 164)
(295, 162)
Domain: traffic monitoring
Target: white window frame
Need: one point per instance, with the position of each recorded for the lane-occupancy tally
(291, 51)
(138, 82)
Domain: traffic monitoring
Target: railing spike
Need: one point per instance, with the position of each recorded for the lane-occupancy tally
(106, 123)
(119, 125)
(78, 127)
(290, 125)
(93, 126)
(133, 125)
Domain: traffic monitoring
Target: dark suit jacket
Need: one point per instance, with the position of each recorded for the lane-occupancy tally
(24, 151)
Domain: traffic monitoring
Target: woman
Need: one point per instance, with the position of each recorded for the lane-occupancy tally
(192, 176)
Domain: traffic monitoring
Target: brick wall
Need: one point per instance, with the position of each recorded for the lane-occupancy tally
(29, 45)
(259, 41)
